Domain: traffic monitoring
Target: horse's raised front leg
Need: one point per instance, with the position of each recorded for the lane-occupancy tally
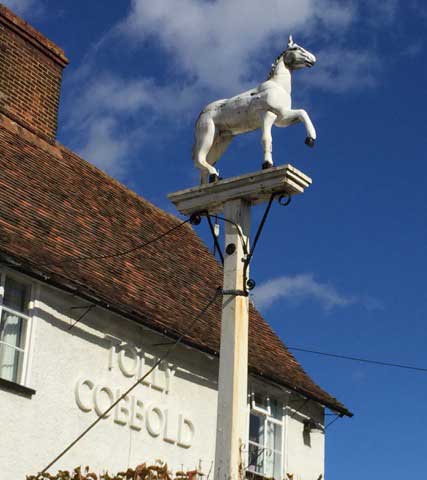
(294, 116)
(309, 127)
(268, 119)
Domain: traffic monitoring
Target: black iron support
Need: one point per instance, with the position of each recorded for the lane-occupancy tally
(215, 238)
(244, 244)
(249, 256)
(235, 293)
(248, 284)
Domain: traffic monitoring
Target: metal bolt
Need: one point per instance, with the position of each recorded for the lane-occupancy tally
(230, 248)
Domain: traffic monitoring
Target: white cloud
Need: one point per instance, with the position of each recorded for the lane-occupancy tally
(105, 148)
(298, 288)
(109, 94)
(216, 42)
(110, 116)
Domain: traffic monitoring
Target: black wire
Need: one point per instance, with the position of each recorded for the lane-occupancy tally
(298, 409)
(356, 359)
(132, 387)
(332, 421)
(88, 309)
(119, 253)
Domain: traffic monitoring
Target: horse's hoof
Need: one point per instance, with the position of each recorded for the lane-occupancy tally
(309, 141)
(213, 177)
(266, 165)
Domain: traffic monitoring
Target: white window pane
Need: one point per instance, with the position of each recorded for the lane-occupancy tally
(256, 459)
(274, 436)
(256, 429)
(276, 410)
(12, 339)
(16, 295)
(272, 464)
(273, 452)
(10, 363)
(265, 438)
(12, 329)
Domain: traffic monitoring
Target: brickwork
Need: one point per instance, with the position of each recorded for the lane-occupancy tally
(30, 76)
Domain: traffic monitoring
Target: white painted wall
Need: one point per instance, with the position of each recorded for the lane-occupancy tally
(304, 455)
(34, 430)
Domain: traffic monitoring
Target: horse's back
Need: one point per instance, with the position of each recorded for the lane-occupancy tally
(214, 105)
(225, 110)
(242, 113)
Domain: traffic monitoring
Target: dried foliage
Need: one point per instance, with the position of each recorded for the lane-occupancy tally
(141, 472)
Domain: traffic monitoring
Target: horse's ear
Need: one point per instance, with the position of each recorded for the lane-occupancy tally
(290, 41)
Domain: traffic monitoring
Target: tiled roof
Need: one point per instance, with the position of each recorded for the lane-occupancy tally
(53, 205)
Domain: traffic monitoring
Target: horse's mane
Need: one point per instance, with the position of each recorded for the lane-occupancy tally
(274, 65)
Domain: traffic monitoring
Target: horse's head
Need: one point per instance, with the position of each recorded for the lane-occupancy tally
(295, 57)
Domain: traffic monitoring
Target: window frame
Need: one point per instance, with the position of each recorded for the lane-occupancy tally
(26, 349)
(266, 414)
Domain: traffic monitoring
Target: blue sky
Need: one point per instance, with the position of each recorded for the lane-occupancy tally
(342, 269)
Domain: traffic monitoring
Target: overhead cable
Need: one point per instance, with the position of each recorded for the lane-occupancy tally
(357, 359)
(118, 253)
(332, 421)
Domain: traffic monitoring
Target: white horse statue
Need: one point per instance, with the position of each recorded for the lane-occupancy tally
(262, 107)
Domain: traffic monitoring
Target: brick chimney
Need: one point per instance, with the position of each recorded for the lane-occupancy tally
(30, 76)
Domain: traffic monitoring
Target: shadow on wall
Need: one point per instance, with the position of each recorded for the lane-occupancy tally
(128, 341)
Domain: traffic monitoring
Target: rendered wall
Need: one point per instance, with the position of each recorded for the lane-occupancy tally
(304, 453)
(34, 430)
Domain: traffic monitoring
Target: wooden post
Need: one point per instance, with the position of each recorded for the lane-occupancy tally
(235, 196)
(233, 360)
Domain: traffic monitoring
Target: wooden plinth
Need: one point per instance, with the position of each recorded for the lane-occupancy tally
(252, 187)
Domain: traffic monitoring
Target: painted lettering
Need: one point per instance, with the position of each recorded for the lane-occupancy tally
(170, 373)
(128, 360)
(100, 394)
(83, 401)
(121, 410)
(154, 420)
(185, 432)
(167, 433)
(136, 419)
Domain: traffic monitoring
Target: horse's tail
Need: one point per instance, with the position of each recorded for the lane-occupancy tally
(195, 144)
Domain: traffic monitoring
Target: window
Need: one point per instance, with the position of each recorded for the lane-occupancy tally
(265, 438)
(14, 329)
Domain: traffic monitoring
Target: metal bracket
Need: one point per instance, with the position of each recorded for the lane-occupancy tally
(284, 200)
(248, 283)
(236, 293)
